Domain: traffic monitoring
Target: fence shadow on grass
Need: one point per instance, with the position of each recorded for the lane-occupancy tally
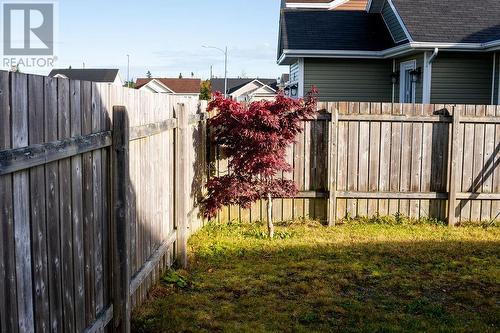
(381, 286)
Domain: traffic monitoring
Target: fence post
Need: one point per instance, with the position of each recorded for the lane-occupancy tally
(332, 164)
(182, 184)
(121, 239)
(452, 185)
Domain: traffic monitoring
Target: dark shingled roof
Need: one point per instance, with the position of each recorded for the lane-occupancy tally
(87, 74)
(235, 84)
(333, 30)
(451, 21)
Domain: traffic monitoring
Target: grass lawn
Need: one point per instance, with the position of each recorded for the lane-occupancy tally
(350, 278)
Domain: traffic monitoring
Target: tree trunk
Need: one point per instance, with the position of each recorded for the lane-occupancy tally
(270, 225)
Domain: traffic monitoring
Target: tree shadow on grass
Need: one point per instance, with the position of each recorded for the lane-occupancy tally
(377, 286)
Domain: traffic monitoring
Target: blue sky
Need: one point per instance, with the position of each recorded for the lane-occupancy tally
(166, 37)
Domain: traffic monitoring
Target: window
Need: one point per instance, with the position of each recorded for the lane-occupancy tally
(406, 86)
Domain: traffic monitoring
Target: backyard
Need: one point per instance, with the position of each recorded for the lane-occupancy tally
(388, 274)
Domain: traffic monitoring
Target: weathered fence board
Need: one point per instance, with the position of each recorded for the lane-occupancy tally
(37, 202)
(23, 258)
(55, 283)
(8, 291)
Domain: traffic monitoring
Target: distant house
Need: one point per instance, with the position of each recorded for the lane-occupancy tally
(183, 87)
(418, 51)
(111, 76)
(246, 90)
(283, 81)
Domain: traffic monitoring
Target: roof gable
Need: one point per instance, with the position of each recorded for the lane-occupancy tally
(393, 23)
(333, 30)
(154, 86)
(177, 86)
(251, 87)
(87, 74)
(233, 84)
(450, 21)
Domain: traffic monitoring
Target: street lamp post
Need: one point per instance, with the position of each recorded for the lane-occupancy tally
(225, 65)
(128, 70)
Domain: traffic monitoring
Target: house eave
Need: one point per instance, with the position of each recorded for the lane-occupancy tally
(289, 55)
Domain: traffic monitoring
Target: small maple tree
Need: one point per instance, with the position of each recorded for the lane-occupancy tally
(255, 138)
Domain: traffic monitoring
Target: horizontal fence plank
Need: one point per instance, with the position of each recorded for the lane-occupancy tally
(196, 118)
(480, 120)
(391, 195)
(395, 118)
(395, 195)
(103, 319)
(144, 131)
(151, 263)
(478, 196)
(35, 155)
(310, 195)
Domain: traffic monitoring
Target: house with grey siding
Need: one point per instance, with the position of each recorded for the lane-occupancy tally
(419, 51)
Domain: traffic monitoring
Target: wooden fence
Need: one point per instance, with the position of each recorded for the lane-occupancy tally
(91, 210)
(100, 185)
(421, 161)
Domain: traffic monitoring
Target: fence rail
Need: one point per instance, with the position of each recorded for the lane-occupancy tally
(74, 256)
(367, 159)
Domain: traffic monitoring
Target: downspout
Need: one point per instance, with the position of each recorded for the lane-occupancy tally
(434, 55)
(428, 77)
(493, 79)
(393, 84)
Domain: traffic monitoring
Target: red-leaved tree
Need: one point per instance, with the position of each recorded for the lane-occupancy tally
(254, 138)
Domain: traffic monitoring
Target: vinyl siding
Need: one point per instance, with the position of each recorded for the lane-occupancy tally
(392, 23)
(376, 6)
(419, 87)
(349, 79)
(462, 78)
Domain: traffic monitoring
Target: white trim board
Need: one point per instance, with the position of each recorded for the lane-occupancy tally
(388, 53)
(302, 82)
(403, 67)
(427, 80)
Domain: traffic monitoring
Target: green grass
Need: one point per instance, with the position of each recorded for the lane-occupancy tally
(390, 276)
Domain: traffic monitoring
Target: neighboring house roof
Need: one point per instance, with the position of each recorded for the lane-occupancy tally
(415, 25)
(178, 86)
(333, 30)
(87, 74)
(258, 85)
(450, 21)
(235, 84)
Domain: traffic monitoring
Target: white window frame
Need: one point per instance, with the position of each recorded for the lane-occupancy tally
(403, 67)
